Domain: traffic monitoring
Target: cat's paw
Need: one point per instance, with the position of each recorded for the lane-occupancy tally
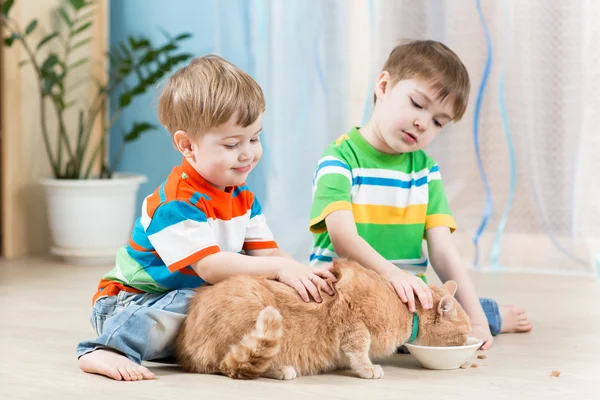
(289, 373)
(372, 372)
(284, 374)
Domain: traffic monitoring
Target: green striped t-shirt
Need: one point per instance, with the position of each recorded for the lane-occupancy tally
(394, 199)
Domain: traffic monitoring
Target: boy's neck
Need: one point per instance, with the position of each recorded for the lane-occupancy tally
(189, 170)
(371, 134)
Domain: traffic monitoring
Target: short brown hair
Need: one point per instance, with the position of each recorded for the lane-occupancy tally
(434, 62)
(207, 93)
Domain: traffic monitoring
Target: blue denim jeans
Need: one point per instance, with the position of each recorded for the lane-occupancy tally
(140, 326)
(490, 308)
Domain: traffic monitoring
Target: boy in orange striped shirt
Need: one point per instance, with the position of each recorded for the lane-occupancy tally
(201, 225)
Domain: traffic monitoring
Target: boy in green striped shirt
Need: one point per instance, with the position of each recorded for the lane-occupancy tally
(377, 194)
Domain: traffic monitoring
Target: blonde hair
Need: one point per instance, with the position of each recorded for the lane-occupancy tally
(435, 63)
(207, 93)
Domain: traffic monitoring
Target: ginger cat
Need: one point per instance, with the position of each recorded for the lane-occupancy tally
(245, 327)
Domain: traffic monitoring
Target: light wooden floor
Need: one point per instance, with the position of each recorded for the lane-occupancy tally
(45, 306)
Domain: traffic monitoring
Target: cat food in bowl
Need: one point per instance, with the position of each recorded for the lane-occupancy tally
(444, 357)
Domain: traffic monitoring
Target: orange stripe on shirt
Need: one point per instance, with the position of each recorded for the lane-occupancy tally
(271, 244)
(436, 220)
(193, 258)
(111, 288)
(137, 247)
(153, 202)
(188, 271)
(173, 187)
(233, 208)
(240, 207)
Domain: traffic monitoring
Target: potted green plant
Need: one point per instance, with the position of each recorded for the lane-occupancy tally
(90, 207)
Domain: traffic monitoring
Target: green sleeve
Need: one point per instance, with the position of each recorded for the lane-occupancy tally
(438, 209)
(332, 184)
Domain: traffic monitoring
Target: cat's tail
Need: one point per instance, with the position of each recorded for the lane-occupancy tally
(252, 357)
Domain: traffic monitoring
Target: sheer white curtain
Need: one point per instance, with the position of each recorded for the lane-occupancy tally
(300, 51)
(317, 62)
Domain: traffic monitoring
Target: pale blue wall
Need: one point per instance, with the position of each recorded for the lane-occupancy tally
(153, 155)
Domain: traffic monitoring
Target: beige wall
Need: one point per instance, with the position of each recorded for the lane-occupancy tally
(24, 227)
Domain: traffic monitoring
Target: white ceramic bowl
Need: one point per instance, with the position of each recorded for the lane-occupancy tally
(444, 357)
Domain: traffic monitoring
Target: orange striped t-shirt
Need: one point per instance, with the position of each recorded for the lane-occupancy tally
(183, 220)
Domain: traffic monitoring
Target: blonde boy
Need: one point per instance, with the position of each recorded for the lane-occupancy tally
(202, 225)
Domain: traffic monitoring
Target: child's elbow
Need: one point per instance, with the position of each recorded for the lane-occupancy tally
(204, 271)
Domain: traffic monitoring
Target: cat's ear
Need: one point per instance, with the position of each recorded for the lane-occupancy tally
(447, 306)
(450, 287)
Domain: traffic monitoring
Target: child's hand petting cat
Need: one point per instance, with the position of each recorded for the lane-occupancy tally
(482, 331)
(305, 279)
(407, 285)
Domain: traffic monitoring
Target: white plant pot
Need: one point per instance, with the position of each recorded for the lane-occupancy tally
(91, 218)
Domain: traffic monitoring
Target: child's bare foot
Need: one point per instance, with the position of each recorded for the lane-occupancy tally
(113, 365)
(514, 320)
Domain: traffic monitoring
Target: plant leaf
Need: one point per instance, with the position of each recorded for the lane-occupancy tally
(139, 89)
(150, 56)
(81, 28)
(8, 41)
(65, 16)
(180, 58)
(47, 39)
(112, 58)
(168, 47)
(183, 36)
(83, 17)
(60, 101)
(31, 27)
(78, 63)
(138, 129)
(81, 43)
(99, 85)
(50, 79)
(50, 62)
(125, 50)
(80, 82)
(143, 43)
(78, 4)
(79, 151)
(124, 69)
(24, 62)
(124, 100)
(6, 6)
(132, 43)
(165, 33)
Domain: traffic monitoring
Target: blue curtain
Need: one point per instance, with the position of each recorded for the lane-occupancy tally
(294, 49)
